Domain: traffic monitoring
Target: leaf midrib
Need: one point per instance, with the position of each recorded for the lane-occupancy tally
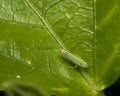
(45, 23)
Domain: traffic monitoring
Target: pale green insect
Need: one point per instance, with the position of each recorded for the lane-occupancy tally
(74, 59)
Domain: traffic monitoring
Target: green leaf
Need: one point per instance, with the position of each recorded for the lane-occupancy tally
(33, 33)
(108, 42)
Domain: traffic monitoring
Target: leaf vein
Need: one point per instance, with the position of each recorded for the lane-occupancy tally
(45, 23)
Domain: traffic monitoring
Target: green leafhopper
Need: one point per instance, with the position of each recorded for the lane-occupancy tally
(74, 59)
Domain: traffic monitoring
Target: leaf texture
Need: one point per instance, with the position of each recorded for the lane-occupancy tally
(33, 33)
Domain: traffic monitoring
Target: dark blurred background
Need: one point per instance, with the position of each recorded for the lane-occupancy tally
(114, 89)
(2, 93)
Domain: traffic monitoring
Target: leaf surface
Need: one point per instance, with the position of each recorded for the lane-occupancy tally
(33, 33)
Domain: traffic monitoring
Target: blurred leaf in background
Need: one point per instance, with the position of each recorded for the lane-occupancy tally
(21, 89)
